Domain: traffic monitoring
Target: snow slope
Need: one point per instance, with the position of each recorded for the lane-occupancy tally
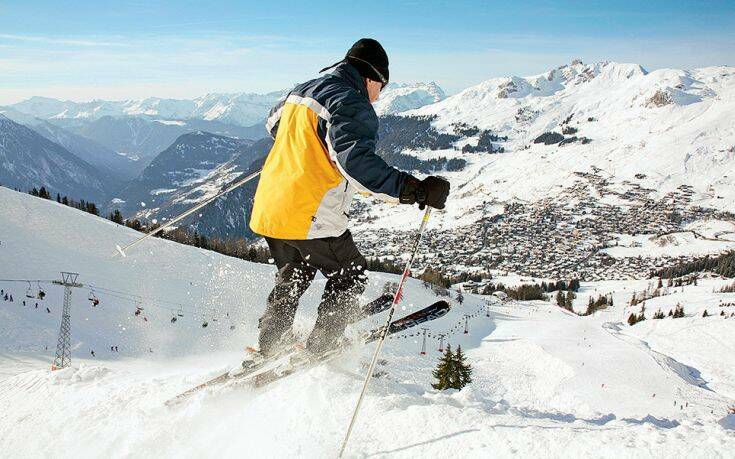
(546, 383)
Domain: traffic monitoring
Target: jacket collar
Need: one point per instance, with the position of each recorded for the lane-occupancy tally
(349, 72)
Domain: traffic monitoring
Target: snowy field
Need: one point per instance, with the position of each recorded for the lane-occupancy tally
(547, 383)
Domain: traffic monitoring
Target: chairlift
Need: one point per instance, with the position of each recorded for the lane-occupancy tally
(205, 324)
(29, 293)
(138, 310)
(93, 298)
(41, 294)
(173, 319)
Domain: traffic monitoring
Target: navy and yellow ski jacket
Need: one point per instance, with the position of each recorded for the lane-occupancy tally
(325, 132)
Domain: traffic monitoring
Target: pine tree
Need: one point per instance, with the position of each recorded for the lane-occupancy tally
(705, 313)
(117, 217)
(560, 299)
(463, 369)
(460, 297)
(632, 319)
(444, 370)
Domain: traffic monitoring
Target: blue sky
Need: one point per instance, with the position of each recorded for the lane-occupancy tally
(130, 49)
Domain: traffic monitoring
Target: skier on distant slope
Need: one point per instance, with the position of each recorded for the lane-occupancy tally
(325, 133)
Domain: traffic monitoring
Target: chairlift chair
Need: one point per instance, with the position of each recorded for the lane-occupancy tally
(29, 293)
(41, 294)
(93, 298)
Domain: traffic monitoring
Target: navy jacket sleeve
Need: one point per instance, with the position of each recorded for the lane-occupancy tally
(351, 137)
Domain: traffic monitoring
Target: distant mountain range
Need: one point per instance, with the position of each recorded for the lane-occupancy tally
(241, 109)
(238, 109)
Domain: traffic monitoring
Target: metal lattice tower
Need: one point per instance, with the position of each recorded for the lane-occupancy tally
(423, 344)
(63, 346)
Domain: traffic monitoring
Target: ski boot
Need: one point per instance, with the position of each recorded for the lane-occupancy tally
(289, 342)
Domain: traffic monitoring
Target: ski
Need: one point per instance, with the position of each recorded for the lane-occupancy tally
(376, 306)
(300, 361)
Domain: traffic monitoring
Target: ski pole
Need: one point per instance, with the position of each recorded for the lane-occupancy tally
(121, 250)
(384, 333)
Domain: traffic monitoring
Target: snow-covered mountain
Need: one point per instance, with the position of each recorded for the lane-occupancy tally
(400, 97)
(195, 166)
(28, 160)
(241, 109)
(545, 382)
(672, 126)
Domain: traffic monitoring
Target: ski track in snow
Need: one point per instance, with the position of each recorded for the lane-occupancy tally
(689, 374)
(546, 383)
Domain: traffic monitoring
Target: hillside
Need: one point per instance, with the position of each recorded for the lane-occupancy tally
(28, 160)
(545, 382)
(195, 166)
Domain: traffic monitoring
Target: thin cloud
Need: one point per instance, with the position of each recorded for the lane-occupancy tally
(57, 41)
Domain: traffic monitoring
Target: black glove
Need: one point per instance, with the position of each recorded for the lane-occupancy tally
(431, 191)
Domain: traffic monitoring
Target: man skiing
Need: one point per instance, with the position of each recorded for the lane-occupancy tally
(325, 133)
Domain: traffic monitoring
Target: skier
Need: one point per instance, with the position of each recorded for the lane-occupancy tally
(325, 132)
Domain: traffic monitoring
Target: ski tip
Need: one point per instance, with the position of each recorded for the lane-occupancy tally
(120, 251)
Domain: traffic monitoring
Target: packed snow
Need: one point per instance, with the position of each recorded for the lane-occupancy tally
(546, 382)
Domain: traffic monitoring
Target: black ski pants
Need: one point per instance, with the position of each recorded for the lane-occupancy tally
(340, 261)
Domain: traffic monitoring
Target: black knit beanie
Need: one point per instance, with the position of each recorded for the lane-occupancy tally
(369, 58)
